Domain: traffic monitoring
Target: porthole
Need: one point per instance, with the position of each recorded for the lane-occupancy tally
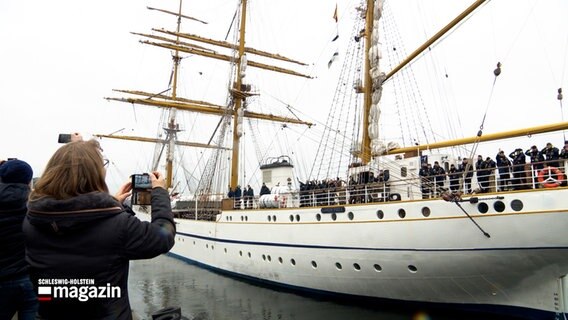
(318, 217)
(483, 207)
(269, 218)
(264, 257)
(314, 265)
(268, 258)
(517, 205)
(274, 218)
(240, 253)
(412, 268)
(291, 218)
(333, 216)
(357, 267)
(227, 218)
(249, 255)
(225, 250)
(242, 218)
(293, 262)
(350, 215)
(401, 213)
(246, 218)
(212, 247)
(298, 217)
(378, 267)
(499, 206)
(338, 266)
(207, 246)
(231, 218)
(193, 242)
(280, 260)
(380, 214)
(426, 211)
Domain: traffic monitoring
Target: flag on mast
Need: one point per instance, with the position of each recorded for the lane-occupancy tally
(335, 13)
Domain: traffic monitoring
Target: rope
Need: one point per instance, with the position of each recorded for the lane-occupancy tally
(496, 72)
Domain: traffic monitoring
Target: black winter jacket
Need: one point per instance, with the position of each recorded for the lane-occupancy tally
(13, 199)
(92, 237)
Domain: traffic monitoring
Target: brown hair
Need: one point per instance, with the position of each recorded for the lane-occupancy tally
(75, 168)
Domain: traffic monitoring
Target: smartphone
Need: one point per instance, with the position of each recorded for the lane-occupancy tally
(141, 186)
(141, 182)
(64, 138)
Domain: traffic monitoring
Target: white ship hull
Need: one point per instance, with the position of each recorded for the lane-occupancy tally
(441, 258)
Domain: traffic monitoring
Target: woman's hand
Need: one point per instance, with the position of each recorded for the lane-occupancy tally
(157, 180)
(124, 192)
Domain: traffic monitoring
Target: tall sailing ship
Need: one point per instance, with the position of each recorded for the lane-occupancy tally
(366, 221)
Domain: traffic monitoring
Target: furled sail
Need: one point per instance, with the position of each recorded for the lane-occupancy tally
(378, 147)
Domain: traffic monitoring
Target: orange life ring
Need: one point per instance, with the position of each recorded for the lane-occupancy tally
(546, 177)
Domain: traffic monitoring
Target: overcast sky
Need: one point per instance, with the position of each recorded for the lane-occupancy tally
(60, 58)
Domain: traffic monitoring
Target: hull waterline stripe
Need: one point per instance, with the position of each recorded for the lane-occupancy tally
(306, 246)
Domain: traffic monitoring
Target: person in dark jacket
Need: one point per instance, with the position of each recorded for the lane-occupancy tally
(467, 171)
(518, 168)
(17, 293)
(454, 176)
(264, 189)
(425, 180)
(504, 166)
(439, 178)
(75, 229)
(551, 154)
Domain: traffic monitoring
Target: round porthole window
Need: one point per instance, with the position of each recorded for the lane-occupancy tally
(483, 207)
(517, 205)
(499, 206)
(426, 212)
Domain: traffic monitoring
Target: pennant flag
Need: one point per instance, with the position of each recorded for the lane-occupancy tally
(335, 13)
(332, 59)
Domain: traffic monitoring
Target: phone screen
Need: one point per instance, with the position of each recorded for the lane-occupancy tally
(141, 181)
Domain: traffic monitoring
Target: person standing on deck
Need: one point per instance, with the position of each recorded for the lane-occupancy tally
(504, 165)
(439, 177)
(424, 174)
(537, 160)
(467, 171)
(238, 196)
(551, 154)
(519, 162)
(454, 176)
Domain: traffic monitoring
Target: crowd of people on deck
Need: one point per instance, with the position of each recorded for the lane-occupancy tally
(513, 173)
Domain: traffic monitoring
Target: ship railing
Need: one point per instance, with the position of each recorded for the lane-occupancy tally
(520, 176)
(356, 193)
(514, 177)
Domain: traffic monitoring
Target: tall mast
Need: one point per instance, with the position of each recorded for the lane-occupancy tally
(365, 153)
(172, 127)
(238, 102)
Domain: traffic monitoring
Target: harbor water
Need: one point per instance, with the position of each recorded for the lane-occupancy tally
(203, 295)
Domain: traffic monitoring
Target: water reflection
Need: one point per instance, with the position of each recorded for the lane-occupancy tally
(203, 295)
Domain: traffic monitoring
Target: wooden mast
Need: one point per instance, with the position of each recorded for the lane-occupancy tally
(174, 102)
(365, 154)
(172, 127)
(238, 101)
